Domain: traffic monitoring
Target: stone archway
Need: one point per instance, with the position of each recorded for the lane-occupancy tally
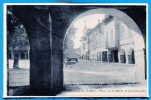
(46, 42)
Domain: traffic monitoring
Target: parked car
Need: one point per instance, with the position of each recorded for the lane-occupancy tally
(72, 60)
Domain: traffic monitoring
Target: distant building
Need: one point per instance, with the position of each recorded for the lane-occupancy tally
(110, 41)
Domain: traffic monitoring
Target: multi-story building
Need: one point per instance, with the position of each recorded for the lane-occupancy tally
(110, 41)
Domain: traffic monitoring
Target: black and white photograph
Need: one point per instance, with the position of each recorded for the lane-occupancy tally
(75, 50)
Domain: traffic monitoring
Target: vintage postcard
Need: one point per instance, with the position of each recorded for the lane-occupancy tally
(75, 50)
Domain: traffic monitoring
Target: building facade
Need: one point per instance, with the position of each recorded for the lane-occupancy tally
(110, 41)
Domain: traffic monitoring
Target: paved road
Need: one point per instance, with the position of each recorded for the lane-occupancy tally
(82, 73)
(97, 73)
(18, 77)
(93, 79)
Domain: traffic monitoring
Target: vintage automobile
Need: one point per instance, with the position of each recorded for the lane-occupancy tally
(71, 60)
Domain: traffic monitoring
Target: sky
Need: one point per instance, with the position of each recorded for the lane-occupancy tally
(90, 22)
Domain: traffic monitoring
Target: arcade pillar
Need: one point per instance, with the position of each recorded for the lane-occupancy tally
(46, 65)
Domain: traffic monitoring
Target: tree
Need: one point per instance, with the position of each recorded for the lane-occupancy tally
(68, 43)
(17, 37)
(20, 43)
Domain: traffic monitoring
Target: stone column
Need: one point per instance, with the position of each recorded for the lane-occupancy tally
(28, 54)
(126, 56)
(38, 24)
(101, 56)
(39, 31)
(57, 65)
(12, 55)
(59, 27)
(108, 57)
(119, 59)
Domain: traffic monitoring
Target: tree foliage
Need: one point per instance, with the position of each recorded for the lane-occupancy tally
(16, 33)
(17, 40)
